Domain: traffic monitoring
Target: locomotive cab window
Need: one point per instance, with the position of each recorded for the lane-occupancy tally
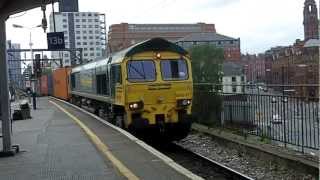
(141, 71)
(116, 74)
(174, 70)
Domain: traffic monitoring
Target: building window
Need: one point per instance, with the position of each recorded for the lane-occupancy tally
(219, 42)
(90, 32)
(84, 37)
(78, 37)
(233, 79)
(84, 32)
(90, 26)
(97, 37)
(96, 26)
(97, 32)
(89, 14)
(242, 78)
(97, 43)
(98, 54)
(96, 20)
(77, 14)
(77, 20)
(89, 20)
(66, 38)
(91, 49)
(234, 89)
(85, 43)
(85, 54)
(96, 15)
(78, 43)
(77, 26)
(83, 14)
(64, 14)
(84, 20)
(91, 54)
(84, 26)
(231, 42)
(66, 55)
(91, 43)
(65, 26)
(77, 32)
(90, 37)
(85, 49)
(64, 20)
(98, 49)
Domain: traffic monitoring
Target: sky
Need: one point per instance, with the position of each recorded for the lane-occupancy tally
(260, 24)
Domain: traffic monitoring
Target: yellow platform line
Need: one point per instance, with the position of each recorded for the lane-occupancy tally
(101, 146)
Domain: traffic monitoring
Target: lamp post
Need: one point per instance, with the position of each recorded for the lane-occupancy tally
(31, 52)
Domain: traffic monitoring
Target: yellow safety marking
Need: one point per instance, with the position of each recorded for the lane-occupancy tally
(101, 146)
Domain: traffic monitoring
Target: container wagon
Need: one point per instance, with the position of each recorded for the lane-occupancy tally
(60, 83)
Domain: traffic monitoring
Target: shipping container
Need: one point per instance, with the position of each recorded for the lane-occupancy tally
(50, 85)
(60, 83)
(44, 85)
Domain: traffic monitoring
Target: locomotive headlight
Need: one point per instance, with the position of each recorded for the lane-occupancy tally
(183, 102)
(158, 55)
(136, 105)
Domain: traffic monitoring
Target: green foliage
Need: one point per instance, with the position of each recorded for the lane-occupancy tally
(207, 63)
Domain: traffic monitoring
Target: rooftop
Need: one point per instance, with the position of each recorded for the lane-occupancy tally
(206, 37)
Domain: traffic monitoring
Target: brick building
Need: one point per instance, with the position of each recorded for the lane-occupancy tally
(231, 46)
(295, 67)
(254, 67)
(121, 36)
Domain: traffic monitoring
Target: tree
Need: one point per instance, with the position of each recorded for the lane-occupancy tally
(207, 63)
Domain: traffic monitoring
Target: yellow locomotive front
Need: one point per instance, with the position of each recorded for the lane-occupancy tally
(158, 93)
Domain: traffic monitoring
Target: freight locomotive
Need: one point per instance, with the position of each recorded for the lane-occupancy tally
(145, 88)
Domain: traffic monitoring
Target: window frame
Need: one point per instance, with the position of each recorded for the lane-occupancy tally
(155, 71)
(188, 76)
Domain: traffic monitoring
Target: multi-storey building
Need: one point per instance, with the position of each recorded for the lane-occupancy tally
(85, 30)
(121, 36)
(231, 46)
(14, 65)
(254, 67)
(233, 79)
(296, 67)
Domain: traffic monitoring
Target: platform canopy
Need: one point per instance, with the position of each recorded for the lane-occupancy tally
(9, 7)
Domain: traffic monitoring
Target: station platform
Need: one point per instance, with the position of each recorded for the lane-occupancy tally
(64, 142)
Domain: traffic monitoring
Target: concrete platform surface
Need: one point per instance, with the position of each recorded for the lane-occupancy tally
(55, 147)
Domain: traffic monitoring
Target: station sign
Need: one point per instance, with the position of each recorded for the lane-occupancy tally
(55, 40)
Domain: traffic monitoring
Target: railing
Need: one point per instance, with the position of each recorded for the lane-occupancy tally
(262, 111)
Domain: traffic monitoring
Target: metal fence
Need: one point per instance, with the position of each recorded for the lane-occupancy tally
(264, 112)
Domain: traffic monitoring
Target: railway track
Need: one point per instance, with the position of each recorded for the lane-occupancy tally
(200, 165)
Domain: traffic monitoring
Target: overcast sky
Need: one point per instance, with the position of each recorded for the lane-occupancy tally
(260, 24)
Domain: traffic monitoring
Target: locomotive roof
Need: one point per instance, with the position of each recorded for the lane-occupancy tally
(155, 44)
